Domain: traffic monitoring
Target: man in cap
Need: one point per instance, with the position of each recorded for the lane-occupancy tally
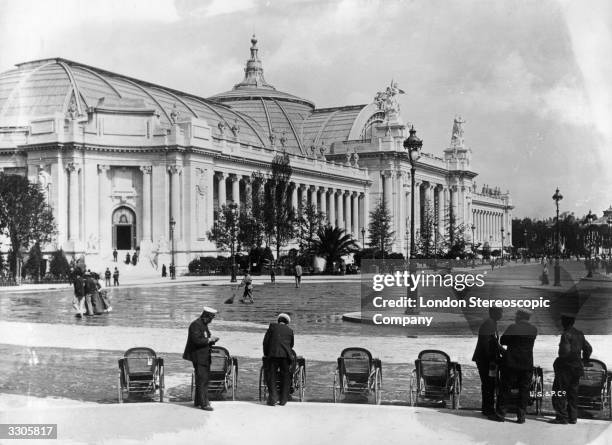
(197, 350)
(518, 362)
(278, 352)
(568, 370)
(487, 356)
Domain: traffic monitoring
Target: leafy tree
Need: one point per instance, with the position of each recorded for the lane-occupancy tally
(25, 215)
(59, 266)
(278, 214)
(426, 237)
(310, 222)
(333, 243)
(33, 264)
(381, 235)
(250, 230)
(2, 264)
(456, 242)
(224, 232)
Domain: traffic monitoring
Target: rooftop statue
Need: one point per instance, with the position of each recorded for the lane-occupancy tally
(457, 137)
(388, 102)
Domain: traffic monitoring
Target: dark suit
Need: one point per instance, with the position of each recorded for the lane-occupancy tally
(518, 363)
(568, 370)
(486, 356)
(277, 348)
(197, 350)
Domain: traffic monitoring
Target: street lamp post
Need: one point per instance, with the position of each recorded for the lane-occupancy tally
(557, 197)
(172, 265)
(233, 243)
(413, 146)
(609, 221)
(435, 242)
(589, 220)
(363, 237)
(473, 227)
(502, 246)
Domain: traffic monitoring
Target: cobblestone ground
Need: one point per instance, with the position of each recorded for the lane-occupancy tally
(315, 309)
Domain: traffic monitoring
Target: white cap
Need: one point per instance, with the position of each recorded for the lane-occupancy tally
(285, 316)
(210, 310)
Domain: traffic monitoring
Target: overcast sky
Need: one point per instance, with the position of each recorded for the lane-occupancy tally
(532, 79)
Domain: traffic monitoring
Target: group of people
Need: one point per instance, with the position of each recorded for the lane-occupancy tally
(107, 277)
(133, 259)
(277, 349)
(90, 298)
(515, 365)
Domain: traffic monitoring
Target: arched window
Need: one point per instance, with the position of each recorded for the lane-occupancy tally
(368, 128)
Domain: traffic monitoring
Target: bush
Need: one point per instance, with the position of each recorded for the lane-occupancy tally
(33, 263)
(59, 267)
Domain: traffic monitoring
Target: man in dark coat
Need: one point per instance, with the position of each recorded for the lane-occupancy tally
(568, 370)
(278, 352)
(197, 350)
(486, 356)
(518, 361)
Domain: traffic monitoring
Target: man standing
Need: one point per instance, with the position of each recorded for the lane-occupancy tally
(568, 370)
(278, 351)
(518, 362)
(79, 294)
(107, 277)
(115, 255)
(116, 277)
(487, 356)
(197, 350)
(298, 275)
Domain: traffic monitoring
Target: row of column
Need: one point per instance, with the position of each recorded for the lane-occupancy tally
(488, 225)
(347, 209)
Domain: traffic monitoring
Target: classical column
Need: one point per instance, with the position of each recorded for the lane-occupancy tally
(73, 169)
(417, 207)
(314, 199)
(248, 193)
(303, 198)
(347, 214)
(340, 208)
(175, 199)
(455, 210)
(355, 218)
(294, 197)
(323, 200)
(388, 191)
(146, 202)
(104, 227)
(441, 226)
(235, 188)
(366, 213)
(332, 207)
(222, 191)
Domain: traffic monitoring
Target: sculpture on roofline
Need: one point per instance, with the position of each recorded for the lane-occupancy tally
(457, 136)
(387, 101)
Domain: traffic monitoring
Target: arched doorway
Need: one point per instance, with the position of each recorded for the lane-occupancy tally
(124, 229)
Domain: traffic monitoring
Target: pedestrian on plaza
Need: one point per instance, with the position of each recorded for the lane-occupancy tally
(272, 274)
(103, 294)
(492, 263)
(107, 277)
(573, 348)
(172, 271)
(78, 302)
(116, 277)
(487, 355)
(197, 350)
(135, 258)
(247, 282)
(164, 272)
(545, 280)
(115, 255)
(298, 275)
(518, 362)
(278, 351)
(128, 259)
(91, 288)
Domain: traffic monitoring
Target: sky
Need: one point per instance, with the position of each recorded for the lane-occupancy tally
(532, 79)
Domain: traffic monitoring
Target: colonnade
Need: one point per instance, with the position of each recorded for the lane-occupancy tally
(488, 225)
(344, 208)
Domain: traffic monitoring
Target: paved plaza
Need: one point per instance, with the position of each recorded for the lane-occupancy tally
(47, 352)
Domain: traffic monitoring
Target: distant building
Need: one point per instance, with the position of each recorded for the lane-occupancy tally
(119, 157)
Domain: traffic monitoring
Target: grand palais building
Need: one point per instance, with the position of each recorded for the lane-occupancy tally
(118, 157)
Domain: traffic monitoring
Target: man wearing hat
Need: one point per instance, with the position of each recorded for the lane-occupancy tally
(197, 350)
(568, 370)
(278, 351)
(518, 361)
(487, 356)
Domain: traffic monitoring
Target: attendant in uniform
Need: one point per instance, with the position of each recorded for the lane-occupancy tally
(518, 361)
(568, 370)
(278, 351)
(197, 350)
(487, 356)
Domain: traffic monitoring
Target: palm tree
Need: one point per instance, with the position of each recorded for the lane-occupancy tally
(333, 244)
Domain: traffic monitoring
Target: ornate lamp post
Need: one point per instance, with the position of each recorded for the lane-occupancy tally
(589, 238)
(233, 242)
(413, 146)
(473, 227)
(363, 237)
(172, 265)
(502, 246)
(609, 221)
(557, 197)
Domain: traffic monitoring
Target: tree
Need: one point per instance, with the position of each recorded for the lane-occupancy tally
(224, 232)
(381, 235)
(25, 215)
(426, 237)
(59, 266)
(310, 222)
(333, 243)
(278, 214)
(32, 266)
